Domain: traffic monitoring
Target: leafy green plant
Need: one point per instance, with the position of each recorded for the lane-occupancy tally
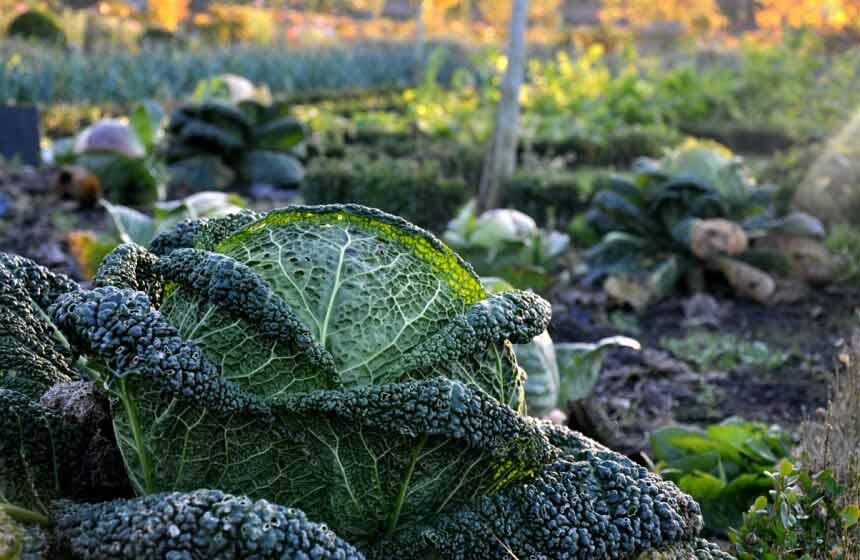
(724, 466)
(507, 243)
(694, 210)
(710, 350)
(801, 518)
(218, 144)
(813, 512)
(334, 358)
(121, 154)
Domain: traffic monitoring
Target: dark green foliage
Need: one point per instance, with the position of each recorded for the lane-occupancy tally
(118, 325)
(40, 452)
(131, 266)
(125, 180)
(552, 198)
(122, 156)
(238, 290)
(418, 191)
(516, 316)
(724, 467)
(392, 144)
(614, 146)
(36, 25)
(253, 140)
(42, 285)
(540, 517)
(33, 354)
(404, 411)
(198, 524)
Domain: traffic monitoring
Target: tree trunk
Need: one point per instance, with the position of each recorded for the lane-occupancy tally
(501, 157)
(419, 35)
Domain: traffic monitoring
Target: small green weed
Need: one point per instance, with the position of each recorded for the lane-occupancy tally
(709, 350)
(800, 519)
(844, 242)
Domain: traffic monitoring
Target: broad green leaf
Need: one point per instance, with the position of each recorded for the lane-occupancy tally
(663, 279)
(734, 432)
(673, 443)
(760, 451)
(146, 119)
(273, 168)
(579, 365)
(132, 225)
(702, 486)
(851, 516)
(349, 264)
(727, 509)
(201, 173)
(280, 135)
(124, 180)
(203, 135)
(621, 211)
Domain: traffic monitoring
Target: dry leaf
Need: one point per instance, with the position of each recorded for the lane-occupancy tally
(80, 184)
(712, 238)
(623, 289)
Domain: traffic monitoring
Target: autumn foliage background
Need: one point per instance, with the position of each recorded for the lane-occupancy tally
(480, 21)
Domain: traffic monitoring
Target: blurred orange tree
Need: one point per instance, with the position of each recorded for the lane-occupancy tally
(167, 14)
(826, 15)
(700, 16)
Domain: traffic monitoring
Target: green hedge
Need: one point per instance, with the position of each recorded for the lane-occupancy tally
(465, 161)
(417, 191)
(552, 198)
(35, 25)
(618, 147)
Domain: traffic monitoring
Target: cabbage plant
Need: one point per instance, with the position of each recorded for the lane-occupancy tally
(230, 135)
(507, 243)
(698, 210)
(332, 359)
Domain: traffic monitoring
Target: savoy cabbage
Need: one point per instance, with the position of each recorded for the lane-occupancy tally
(336, 360)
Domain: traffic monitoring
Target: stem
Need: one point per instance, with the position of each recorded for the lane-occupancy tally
(134, 424)
(401, 499)
(22, 515)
